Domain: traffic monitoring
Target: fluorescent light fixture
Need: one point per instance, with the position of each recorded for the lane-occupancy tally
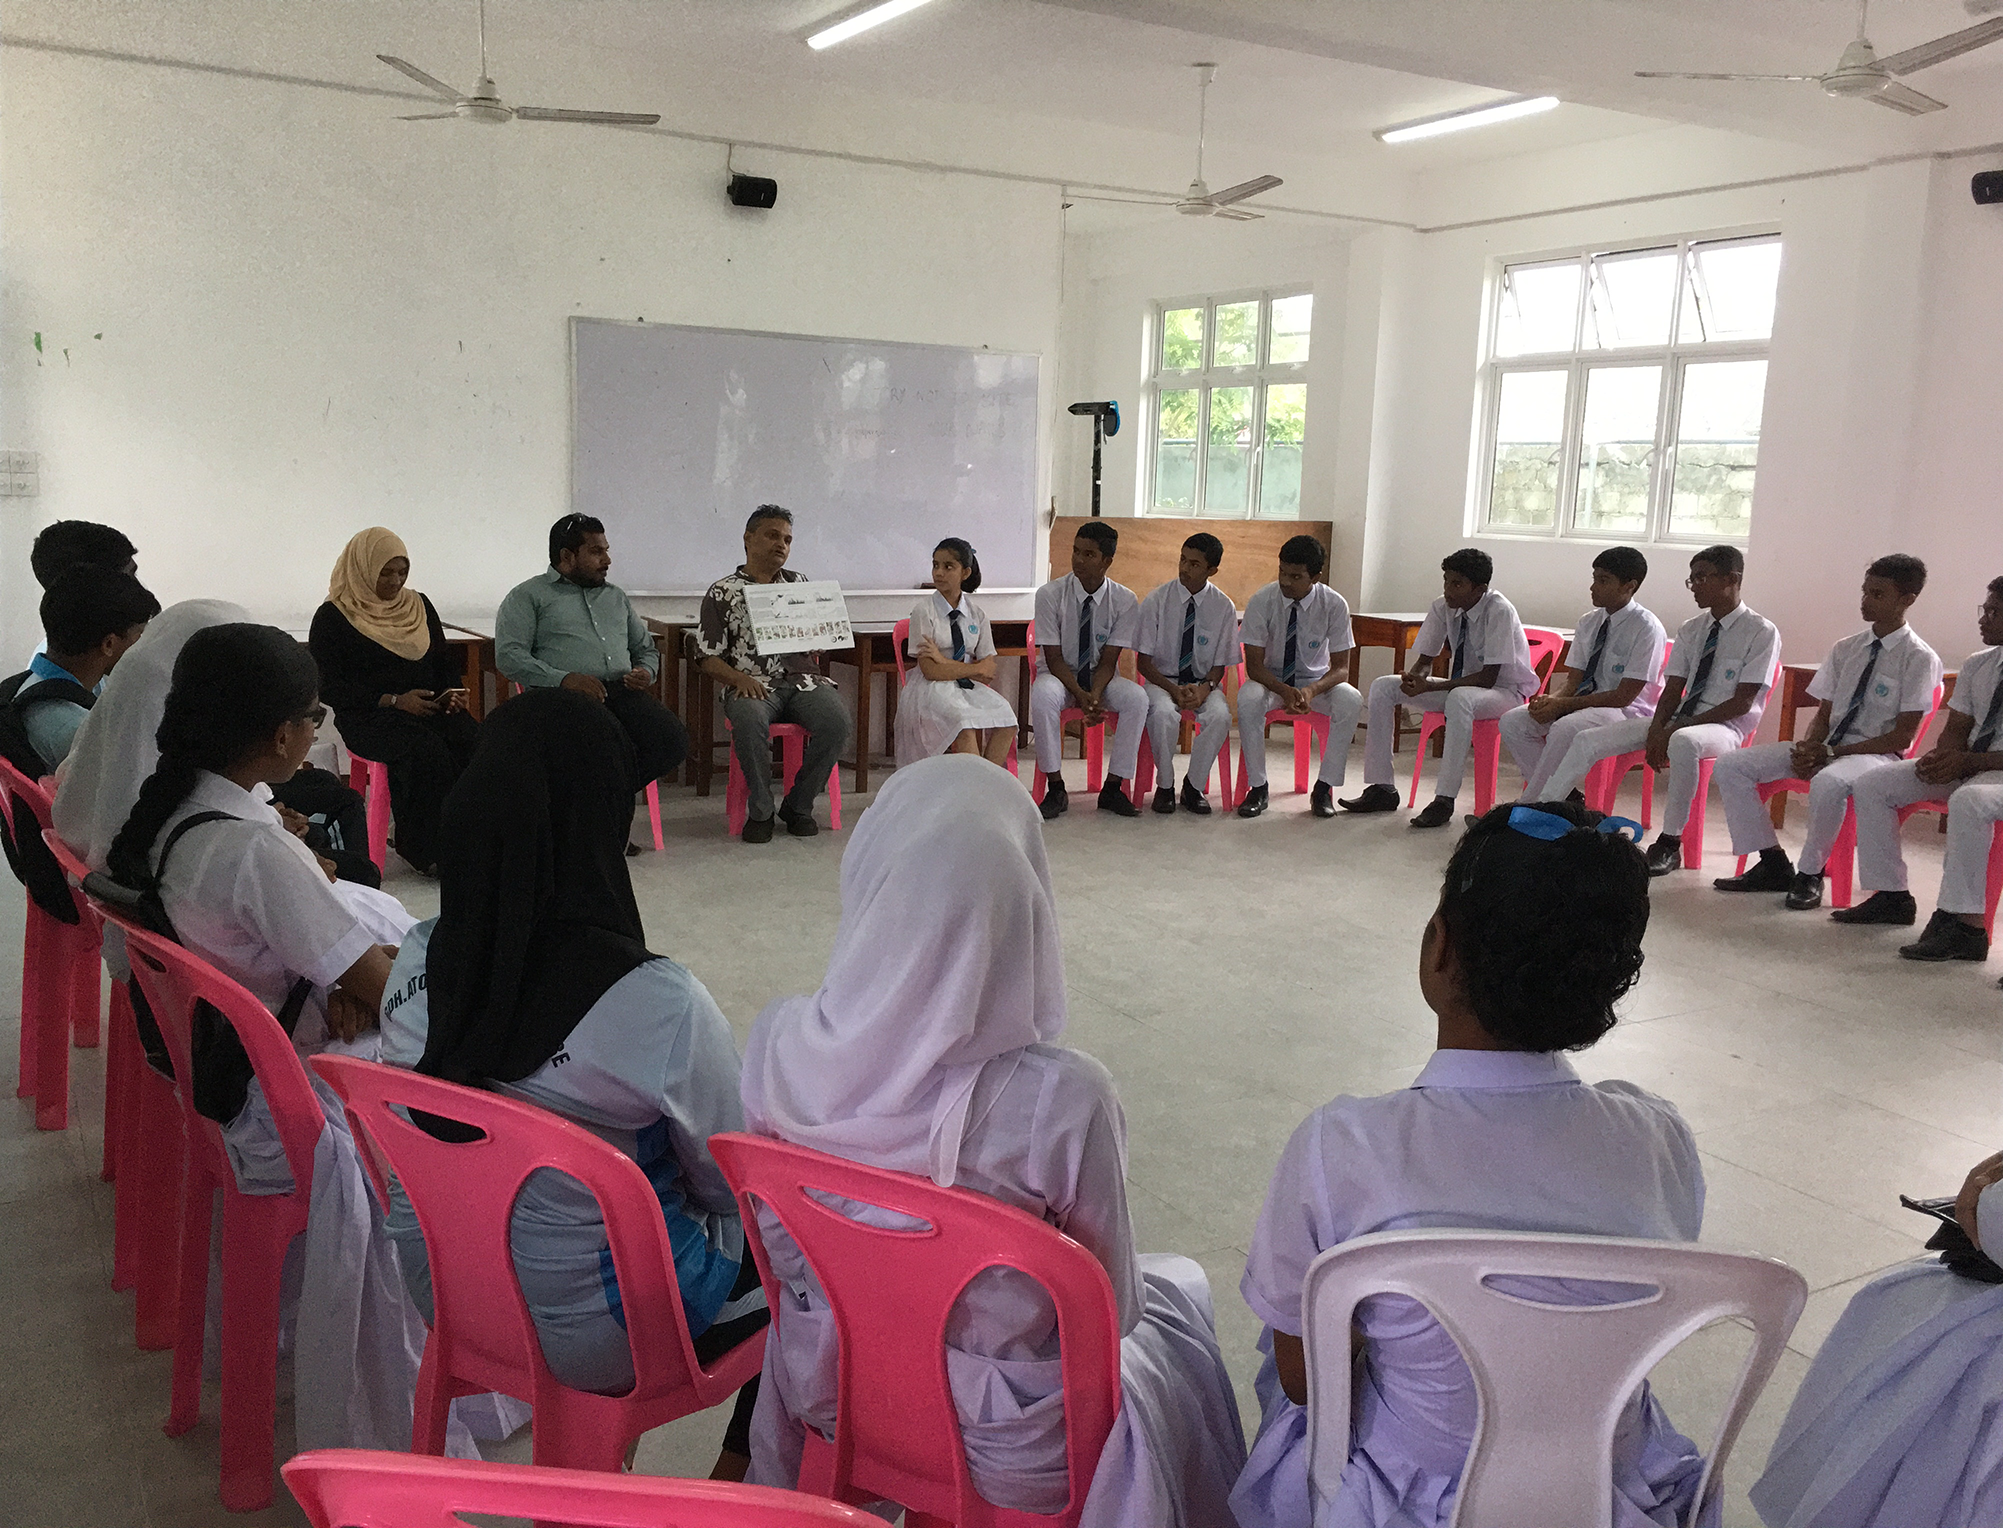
(862, 21)
(1460, 121)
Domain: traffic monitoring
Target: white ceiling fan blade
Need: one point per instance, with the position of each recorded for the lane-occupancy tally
(1680, 74)
(1239, 214)
(1243, 189)
(1124, 201)
(431, 116)
(427, 81)
(1906, 99)
(617, 118)
(1927, 54)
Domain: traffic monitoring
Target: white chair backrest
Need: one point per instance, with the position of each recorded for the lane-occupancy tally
(1551, 1380)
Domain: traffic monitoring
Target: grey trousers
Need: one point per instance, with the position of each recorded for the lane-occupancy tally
(820, 710)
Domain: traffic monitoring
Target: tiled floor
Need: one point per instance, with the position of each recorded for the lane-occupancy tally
(1823, 1076)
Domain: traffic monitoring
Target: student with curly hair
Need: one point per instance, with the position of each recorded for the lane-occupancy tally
(1536, 937)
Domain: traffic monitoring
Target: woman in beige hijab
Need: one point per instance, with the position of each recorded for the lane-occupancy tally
(386, 671)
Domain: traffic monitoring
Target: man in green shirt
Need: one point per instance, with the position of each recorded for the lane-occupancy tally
(569, 627)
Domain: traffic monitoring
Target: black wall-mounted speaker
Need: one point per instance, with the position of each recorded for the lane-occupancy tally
(752, 191)
(1988, 187)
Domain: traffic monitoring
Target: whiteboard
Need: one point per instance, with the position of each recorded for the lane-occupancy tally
(880, 449)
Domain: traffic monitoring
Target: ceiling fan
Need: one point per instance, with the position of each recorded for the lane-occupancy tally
(483, 103)
(1200, 201)
(1862, 74)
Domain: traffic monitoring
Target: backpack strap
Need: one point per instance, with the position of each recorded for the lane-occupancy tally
(26, 695)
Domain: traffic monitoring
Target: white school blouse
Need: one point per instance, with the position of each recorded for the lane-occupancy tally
(1322, 632)
(1903, 680)
(1115, 616)
(1748, 653)
(1494, 635)
(1634, 651)
(933, 618)
(1161, 618)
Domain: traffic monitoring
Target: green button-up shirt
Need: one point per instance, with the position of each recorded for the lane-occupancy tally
(548, 627)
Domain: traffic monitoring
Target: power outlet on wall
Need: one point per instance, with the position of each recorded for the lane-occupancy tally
(20, 474)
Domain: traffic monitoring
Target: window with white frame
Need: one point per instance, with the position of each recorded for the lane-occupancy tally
(1227, 406)
(1622, 393)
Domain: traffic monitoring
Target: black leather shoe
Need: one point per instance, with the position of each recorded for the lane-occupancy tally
(1665, 855)
(1254, 802)
(1322, 802)
(1948, 938)
(1765, 874)
(1055, 802)
(1194, 801)
(1164, 801)
(799, 824)
(1113, 798)
(1375, 798)
(1805, 895)
(1893, 907)
(758, 830)
(1436, 813)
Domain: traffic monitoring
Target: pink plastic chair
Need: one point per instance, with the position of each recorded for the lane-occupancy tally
(509, 687)
(900, 634)
(1545, 645)
(257, 1228)
(1317, 727)
(1144, 771)
(363, 1488)
(1842, 865)
(897, 1430)
(60, 962)
(482, 1337)
(1994, 889)
(372, 781)
(792, 739)
(1092, 739)
(1554, 1380)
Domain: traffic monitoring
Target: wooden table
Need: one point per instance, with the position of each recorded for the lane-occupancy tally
(476, 650)
(1397, 630)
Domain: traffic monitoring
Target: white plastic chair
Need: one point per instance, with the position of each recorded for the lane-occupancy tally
(1551, 1380)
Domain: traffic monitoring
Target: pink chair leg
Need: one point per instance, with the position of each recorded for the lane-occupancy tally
(252, 1266)
(1235, 786)
(31, 961)
(835, 797)
(654, 813)
(378, 813)
(433, 1410)
(122, 1044)
(1995, 887)
(1429, 723)
(55, 984)
(1095, 757)
(191, 1302)
(1223, 773)
(157, 1154)
(1842, 866)
(736, 798)
(1144, 772)
(1302, 735)
(1693, 829)
(87, 997)
(1487, 764)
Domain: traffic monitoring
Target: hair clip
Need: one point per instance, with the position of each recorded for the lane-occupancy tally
(1548, 826)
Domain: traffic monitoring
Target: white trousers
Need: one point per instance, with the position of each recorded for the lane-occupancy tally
(1539, 748)
(1688, 746)
(1213, 726)
(1974, 807)
(1463, 709)
(1341, 705)
(1126, 700)
(1740, 775)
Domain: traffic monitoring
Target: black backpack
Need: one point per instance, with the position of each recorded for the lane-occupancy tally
(223, 1071)
(32, 863)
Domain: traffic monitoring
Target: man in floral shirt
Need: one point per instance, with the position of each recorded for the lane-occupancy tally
(758, 691)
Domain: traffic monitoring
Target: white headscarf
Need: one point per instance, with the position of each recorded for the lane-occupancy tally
(115, 750)
(947, 958)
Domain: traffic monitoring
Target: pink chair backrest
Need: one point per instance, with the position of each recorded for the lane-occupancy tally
(464, 1195)
(1029, 641)
(899, 635)
(1920, 732)
(897, 1432)
(174, 980)
(1545, 645)
(25, 810)
(364, 1488)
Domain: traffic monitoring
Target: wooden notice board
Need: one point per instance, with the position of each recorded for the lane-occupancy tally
(1151, 547)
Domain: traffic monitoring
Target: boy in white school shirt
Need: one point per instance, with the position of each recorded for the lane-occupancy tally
(1877, 685)
(1083, 620)
(1965, 765)
(1188, 638)
(1714, 689)
(1614, 674)
(1293, 629)
(1491, 676)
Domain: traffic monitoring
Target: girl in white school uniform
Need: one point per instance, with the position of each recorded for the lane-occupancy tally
(1536, 936)
(951, 700)
(932, 1048)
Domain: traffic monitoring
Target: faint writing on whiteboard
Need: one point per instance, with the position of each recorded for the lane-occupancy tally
(807, 617)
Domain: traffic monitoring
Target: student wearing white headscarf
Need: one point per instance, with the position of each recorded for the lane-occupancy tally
(931, 1048)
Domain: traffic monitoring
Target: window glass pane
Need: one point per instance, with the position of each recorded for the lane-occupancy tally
(1540, 308)
(1286, 430)
(1633, 299)
(1617, 450)
(1730, 291)
(1291, 320)
(1175, 453)
(1529, 438)
(1182, 339)
(1237, 334)
(1717, 449)
(1227, 472)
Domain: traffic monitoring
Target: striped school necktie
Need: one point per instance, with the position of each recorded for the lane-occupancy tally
(1187, 656)
(1086, 653)
(1704, 662)
(1291, 656)
(1460, 648)
(959, 647)
(1857, 695)
(1591, 683)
